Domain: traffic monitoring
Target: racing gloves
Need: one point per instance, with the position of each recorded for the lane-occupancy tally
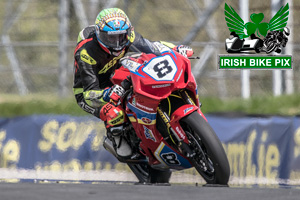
(184, 50)
(108, 98)
(112, 115)
(110, 112)
(114, 93)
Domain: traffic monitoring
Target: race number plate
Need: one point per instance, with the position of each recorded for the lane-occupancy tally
(161, 68)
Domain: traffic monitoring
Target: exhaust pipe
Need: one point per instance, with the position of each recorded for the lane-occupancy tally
(107, 144)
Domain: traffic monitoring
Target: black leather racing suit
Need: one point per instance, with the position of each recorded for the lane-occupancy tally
(93, 67)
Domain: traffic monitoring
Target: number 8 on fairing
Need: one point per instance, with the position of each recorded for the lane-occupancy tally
(161, 68)
(170, 158)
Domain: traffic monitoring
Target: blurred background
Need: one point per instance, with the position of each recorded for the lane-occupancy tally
(37, 40)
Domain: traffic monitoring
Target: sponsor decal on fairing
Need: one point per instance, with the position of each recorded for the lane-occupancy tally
(149, 134)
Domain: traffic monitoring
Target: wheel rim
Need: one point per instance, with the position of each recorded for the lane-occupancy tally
(270, 48)
(201, 160)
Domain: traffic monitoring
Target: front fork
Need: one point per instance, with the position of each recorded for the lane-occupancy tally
(175, 131)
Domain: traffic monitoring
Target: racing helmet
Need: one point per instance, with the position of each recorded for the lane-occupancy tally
(113, 30)
(286, 31)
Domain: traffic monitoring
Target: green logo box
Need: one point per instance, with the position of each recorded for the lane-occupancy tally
(255, 62)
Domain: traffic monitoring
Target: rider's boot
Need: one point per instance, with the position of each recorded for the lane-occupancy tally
(120, 144)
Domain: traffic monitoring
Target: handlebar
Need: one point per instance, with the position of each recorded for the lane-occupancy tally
(126, 83)
(196, 57)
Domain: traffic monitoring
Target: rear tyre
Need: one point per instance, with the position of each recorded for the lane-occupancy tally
(258, 47)
(146, 174)
(216, 169)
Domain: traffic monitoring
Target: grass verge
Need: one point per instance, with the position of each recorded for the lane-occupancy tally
(13, 105)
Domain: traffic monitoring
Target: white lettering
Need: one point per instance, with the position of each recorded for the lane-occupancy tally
(180, 133)
(252, 62)
(243, 62)
(286, 62)
(160, 86)
(144, 107)
(268, 62)
(277, 61)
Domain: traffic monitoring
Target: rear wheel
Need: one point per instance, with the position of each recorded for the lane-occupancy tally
(257, 48)
(146, 174)
(210, 160)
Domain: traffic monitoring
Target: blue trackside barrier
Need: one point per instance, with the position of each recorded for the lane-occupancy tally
(256, 146)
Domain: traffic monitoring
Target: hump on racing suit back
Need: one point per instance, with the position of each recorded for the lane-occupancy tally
(85, 33)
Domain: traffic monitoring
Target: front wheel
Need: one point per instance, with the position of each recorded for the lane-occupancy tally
(270, 47)
(210, 159)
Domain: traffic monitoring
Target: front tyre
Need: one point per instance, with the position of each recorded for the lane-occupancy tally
(271, 47)
(210, 160)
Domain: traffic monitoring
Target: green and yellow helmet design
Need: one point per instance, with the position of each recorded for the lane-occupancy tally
(113, 29)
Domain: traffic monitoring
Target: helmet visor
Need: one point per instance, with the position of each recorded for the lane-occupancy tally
(114, 39)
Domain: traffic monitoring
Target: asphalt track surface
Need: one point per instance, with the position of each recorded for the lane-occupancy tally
(131, 191)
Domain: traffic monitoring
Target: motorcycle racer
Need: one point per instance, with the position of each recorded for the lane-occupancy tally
(99, 48)
(275, 40)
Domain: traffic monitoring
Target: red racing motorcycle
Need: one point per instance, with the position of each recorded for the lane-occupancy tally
(164, 124)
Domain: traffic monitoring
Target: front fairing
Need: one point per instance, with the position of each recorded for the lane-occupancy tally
(158, 76)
